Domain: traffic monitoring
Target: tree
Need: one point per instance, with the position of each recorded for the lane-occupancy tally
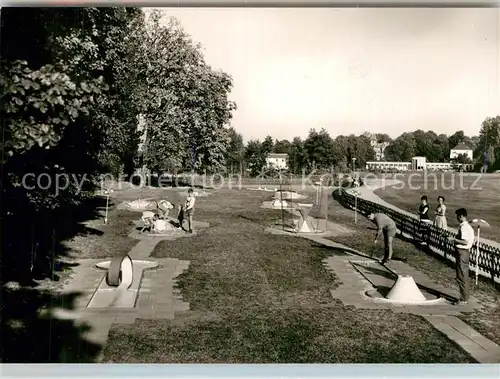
(189, 108)
(267, 145)
(57, 81)
(297, 156)
(282, 147)
(441, 148)
(456, 138)
(402, 149)
(255, 157)
(382, 137)
(489, 142)
(320, 150)
(236, 151)
(363, 151)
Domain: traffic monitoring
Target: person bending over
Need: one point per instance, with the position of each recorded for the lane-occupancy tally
(387, 227)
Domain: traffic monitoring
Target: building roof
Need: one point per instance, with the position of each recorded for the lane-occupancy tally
(276, 155)
(461, 146)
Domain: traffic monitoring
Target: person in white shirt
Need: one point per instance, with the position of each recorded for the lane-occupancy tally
(159, 225)
(463, 243)
(189, 209)
(164, 207)
(147, 219)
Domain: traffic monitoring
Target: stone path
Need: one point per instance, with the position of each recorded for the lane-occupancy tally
(354, 285)
(157, 297)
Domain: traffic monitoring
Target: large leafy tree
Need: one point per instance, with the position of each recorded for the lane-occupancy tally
(320, 150)
(189, 111)
(59, 72)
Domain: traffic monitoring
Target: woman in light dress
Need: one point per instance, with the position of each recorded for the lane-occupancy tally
(440, 220)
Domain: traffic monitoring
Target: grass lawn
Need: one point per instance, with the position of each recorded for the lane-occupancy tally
(481, 197)
(111, 239)
(262, 298)
(486, 320)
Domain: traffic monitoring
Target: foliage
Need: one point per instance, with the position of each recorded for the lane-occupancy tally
(189, 109)
(488, 146)
(68, 114)
(38, 105)
(282, 147)
(235, 151)
(318, 148)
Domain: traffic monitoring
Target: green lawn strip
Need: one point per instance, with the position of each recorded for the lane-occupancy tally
(105, 240)
(263, 298)
(481, 199)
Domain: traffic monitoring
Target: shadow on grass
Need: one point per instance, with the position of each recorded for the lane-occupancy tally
(33, 250)
(31, 333)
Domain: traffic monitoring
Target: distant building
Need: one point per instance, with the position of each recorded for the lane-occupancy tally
(416, 164)
(461, 148)
(277, 161)
(388, 166)
(379, 147)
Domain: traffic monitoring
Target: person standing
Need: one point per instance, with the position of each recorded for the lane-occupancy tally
(180, 216)
(423, 213)
(463, 243)
(189, 209)
(387, 227)
(440, 219)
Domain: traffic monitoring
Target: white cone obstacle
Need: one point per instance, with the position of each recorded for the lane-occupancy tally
(405, 290)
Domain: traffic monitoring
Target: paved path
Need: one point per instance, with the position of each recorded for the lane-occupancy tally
(354, 285)
(157, 297)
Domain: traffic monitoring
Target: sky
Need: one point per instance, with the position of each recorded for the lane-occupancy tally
(353, 70)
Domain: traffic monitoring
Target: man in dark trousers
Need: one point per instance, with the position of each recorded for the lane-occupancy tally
(463, 243)
(387, 227)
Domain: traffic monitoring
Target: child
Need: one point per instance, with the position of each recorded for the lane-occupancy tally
(180, 216)
(189, 209)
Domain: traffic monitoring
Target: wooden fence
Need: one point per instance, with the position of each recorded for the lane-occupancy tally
(436, 238)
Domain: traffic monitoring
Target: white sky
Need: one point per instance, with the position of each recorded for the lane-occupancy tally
(352, 70)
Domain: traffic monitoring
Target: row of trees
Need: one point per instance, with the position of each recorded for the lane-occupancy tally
(321, 152)
(75, 82)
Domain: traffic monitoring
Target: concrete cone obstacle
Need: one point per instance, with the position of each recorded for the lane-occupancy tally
(304, 210)
(405, 290)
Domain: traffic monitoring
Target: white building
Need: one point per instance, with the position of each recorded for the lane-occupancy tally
(461, 148)
(277, 161)
(388, 166)
(416, 164)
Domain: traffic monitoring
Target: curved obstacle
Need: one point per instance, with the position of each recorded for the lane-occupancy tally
(120, 272)
(120, 286)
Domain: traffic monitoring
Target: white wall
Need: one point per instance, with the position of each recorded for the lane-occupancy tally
(456, 153)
